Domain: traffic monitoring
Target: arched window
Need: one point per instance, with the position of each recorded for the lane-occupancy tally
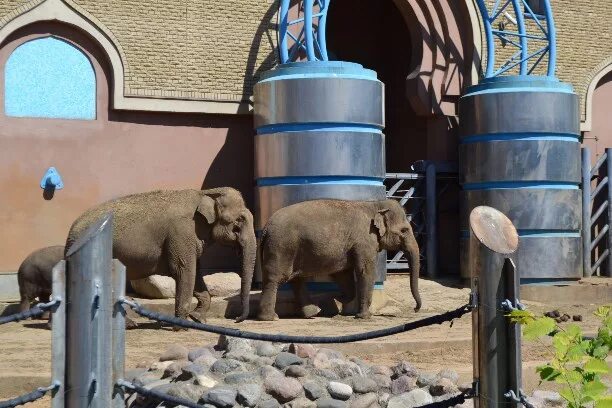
(49, 78)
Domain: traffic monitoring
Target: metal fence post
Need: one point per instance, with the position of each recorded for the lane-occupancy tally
(608, 270)
(492, 239)
(89, 318)
(586, 211)
(431, 214)
(118, 332)
(58, 333)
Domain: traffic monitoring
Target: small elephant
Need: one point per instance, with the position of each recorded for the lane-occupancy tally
(336, 238)
(166, 232)
(35, 276)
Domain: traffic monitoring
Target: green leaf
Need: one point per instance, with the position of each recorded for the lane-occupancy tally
(566, 393)
(538, 328)
(573, 330)
(605, 402)
(601, 352)
(596, 366)
(602, 311)
(547, 373)
(593, 389)
(569, 377)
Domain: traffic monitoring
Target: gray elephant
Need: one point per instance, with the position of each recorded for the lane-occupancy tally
(166, 232)
(35, 277)
(336, 238)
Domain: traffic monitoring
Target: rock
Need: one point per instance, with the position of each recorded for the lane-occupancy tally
(131, 375)
(330, 403)
(174, 352)
(155, 287)
(269, 371)
(345, 368)
(192, 370)
(175, 369)
(206, 360)
(577, 318)
(300, 403)
(194, 354)
(464, 387)
(381, 370)
(160, 365)
(265, 349)
(223, 397)
(226, 365)
(147, 382)
(264, 361)
(365, 368)
(383, 399)
(244, 356)
(303, 350)
(339, 390)
(186, 391)
(234, 344)
(363, 385)
(269, 403)
(323, 357)
(383, 381)
(325, 373)
(284, 360)
(223, 284)
(241, 378)
(536, 402)
(284, 389)
(425, 379)
(550, 398)
(365, 401)
(248, 394)
(205, 381)
(442, 386)
(313, 390)
(404, 368)
(469, 403)
(450, 374)
(403, 384)
(412, 399)
(296, 371)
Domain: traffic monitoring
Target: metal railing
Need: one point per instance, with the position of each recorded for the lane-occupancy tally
(596, 214)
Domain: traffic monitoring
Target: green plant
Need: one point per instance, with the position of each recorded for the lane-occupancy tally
(576, 362)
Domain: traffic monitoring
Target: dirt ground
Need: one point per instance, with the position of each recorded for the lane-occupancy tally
(25, 346)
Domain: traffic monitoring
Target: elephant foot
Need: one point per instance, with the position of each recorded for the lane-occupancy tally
(198, 316)
(363, 315)
(130, 324)
(268, 317)
(310, 311)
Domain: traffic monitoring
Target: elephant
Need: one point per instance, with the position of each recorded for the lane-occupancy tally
(165, 232)
(35, 276)
(336, 238)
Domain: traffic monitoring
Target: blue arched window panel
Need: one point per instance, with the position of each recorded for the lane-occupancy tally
(49, 78)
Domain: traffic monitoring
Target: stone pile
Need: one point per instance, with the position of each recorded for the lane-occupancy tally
(244, 373)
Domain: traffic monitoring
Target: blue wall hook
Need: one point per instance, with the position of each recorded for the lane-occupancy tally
(52, 179)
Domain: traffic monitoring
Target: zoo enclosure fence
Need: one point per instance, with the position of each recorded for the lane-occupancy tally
(88, 329)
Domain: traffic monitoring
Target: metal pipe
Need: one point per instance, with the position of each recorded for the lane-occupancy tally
(118, 346)
(552, 39)
(308, 34)
(284, 27)
(321, 29)
(89, 318)
(513, 287)
(58, 335)
(432, 238)
(608, 270)
(586, 211)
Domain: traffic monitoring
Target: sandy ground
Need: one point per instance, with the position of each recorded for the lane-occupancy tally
(25, 352)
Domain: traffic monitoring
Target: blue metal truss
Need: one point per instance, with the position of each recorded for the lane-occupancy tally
(506, 24)
(311, 28)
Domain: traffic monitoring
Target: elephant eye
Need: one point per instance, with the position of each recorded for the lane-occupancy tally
(405, 230)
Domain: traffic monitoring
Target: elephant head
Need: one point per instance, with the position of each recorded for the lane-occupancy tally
(232, 224)
(394, 234)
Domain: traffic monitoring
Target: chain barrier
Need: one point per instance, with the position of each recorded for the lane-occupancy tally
(27, 398)
(160, 396)
(35, 311)
(284, 338)
(519, 399)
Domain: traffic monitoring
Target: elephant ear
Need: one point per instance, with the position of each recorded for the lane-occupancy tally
(379, 222)
(207, 209)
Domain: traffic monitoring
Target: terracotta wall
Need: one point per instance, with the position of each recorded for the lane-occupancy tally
(118, 153)
(600, 136)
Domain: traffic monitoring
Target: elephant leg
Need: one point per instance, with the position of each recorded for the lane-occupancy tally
(201, 294)
(182, 265)
(300, 291)
(364, 273)
(346, 283)
(267, 304)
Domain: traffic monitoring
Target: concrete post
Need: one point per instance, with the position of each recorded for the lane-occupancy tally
(432, 227)
(586, 211)
(58, 335)
(118, 347)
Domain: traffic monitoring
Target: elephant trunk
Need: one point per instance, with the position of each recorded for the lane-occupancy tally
(415, 265)
(249, 253)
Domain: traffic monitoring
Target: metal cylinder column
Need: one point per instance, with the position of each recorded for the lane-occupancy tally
(319, 135)
(520, 153)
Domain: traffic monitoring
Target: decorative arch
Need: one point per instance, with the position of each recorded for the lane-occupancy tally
(604, 68)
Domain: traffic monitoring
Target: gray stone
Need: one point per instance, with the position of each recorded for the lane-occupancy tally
(330, 403)
(268, 403)
(264, 361)
(313, 390)
(194, 354)
(442, 386)
(241, 378)
(325, 373)
(426, 379)
(382, 380)
(296, 371)
(223, 397)
(339, 390)
(269, 371)
(152, 384)
(249, 394)
(186, 391)
(300, 403)
(303, 350)
(464, 387)
(265, 349)
(403, 384)
(226, 365)
(241, 355)
(363, 385)
(323, 357)
(365, 367)
(174, 352)
(404, 368)
(193, 370)
(449, 374)
(344, 368)
(160, 365)
(381, 370)
(234, 344)
(205, 381)
(131, 375)
(223, 284)
(365, 400)
(412, 399)
(175, 369)
(383, 399)
(155, 287)
(550, 398)
(284, 389)
(284, 360)
(206, 360)
(536, 402)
